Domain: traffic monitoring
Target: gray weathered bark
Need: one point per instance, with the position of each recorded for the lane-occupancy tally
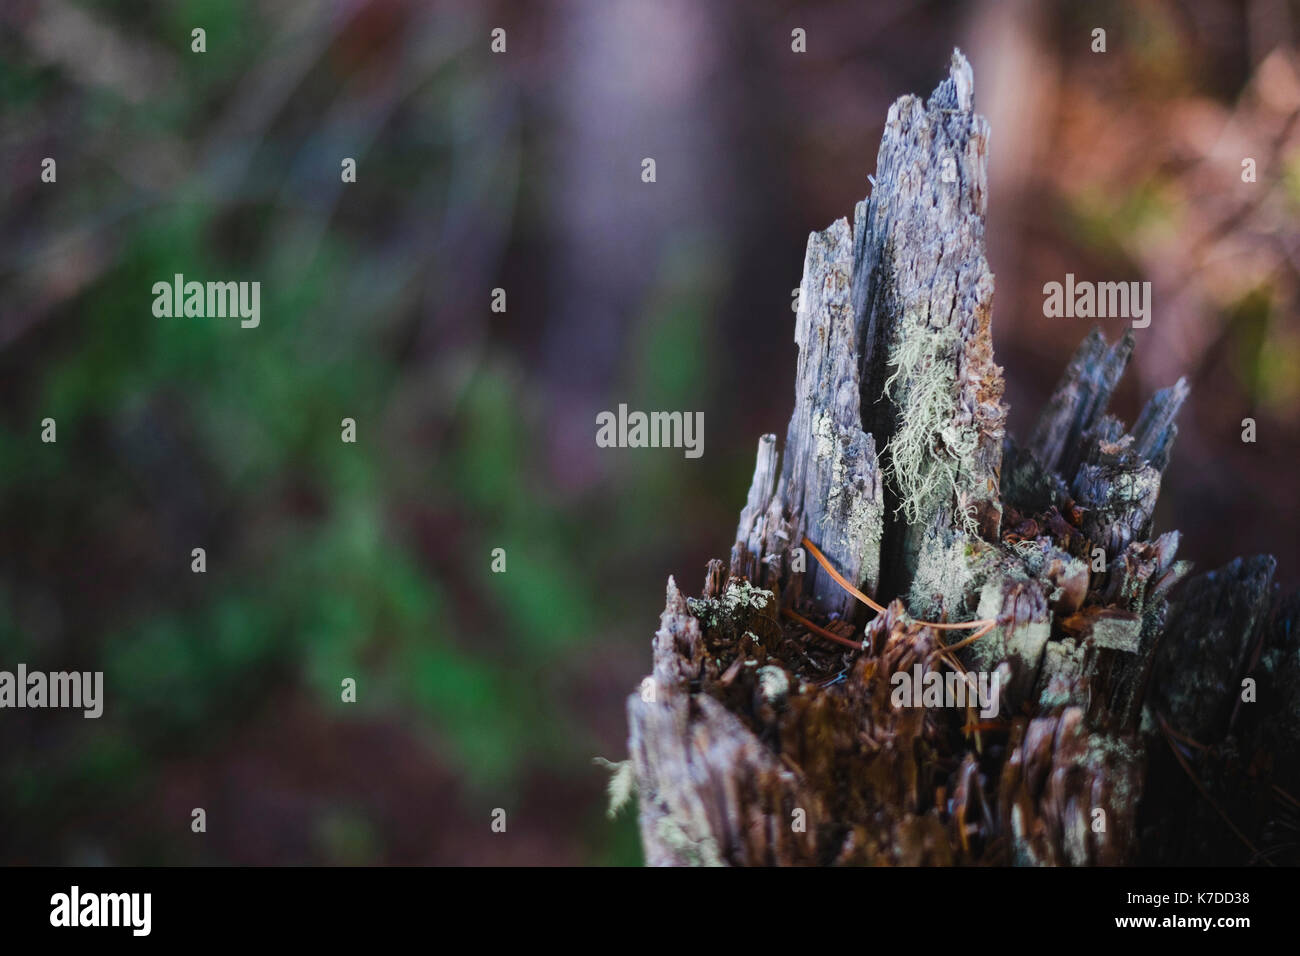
(759, 742)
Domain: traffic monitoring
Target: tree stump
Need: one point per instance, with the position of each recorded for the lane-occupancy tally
(1141, 716)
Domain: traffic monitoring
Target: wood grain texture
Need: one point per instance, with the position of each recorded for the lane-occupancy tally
(761, 743)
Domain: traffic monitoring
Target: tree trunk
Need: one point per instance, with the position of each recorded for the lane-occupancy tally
(1119, 724)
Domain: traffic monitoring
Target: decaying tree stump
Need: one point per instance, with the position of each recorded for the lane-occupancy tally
(1122, 731)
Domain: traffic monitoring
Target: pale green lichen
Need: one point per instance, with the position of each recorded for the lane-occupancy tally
(1060, 673)
(1109, 757)
(773, 683)
(924, 459)
(731, 611)
(1033, 554)
(824, 432)
(950, 568)
(622, 783)
(703, 852)
(861, 527)
(991, 649)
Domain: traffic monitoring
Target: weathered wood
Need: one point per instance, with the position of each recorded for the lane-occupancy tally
(831, 473)
(1079, 402)
(923, 291)
(758, 741)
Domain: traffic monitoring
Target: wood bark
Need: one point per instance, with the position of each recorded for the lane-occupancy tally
(1123, 730)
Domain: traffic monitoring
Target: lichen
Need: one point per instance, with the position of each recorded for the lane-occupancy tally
(925, 457)
(695, 853)
(1033, 554)
(773, 682)
(824, 430)
(949, 569)
(1060, 674)
(622, 783)
(1113, 758)
(730, 612)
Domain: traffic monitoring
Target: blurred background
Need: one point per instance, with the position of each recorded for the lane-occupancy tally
(475, 429)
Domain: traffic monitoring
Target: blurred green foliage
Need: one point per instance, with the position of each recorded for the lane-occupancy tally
(176, 433)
